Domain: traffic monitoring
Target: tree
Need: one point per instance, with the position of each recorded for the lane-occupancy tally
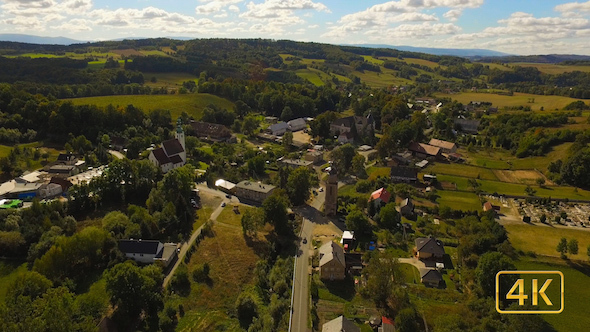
(488, 266)
(541, 182)
(530, 191)
(572, 246)
(275, 212)
(588, 251)
(201, 273)
(356, 221)
(342, 158)
(249, 125)
(287, 140)
(543, 218)
(562, 247)
(247, 308)
(119, 226)
(252, 221)
(406, 320)
(299, 185)
(358, 166)
(256, 165)
(382, 276)
(132, 290)
(389, 218)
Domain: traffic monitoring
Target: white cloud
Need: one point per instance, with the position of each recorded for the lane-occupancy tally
(214, 6)
(453, 14)
(234, 8)
(573, 7)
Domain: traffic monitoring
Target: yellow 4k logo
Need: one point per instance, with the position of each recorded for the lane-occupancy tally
(524, 295)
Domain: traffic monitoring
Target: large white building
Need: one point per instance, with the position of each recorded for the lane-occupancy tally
(172, 153)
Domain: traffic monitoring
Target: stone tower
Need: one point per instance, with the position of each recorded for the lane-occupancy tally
(331, 202)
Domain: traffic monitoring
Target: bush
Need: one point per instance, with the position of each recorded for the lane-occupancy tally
(201, 273)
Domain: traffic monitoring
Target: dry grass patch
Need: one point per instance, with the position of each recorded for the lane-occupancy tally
(521, 176)
(543, 240)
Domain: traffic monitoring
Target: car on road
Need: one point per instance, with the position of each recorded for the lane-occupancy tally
(223, 204)
(304, 241)
(228, 196)
(321, 189)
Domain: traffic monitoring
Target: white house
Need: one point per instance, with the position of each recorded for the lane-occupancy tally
(148, 251)
(172, 153)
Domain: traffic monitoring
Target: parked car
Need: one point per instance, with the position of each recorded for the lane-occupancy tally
(223, 204)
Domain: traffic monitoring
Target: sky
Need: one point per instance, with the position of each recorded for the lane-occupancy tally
(511, 26)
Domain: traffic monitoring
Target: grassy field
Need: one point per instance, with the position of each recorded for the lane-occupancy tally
(543, 239)
(502, 159)
(459, 200)
(575, 314)
(312, 75)
(229, 217)
(33, 164)
(231, 264)
(552, 68)
(462, 170)
(375, 172)
(410, 273)
(519, 99)
(496, 66)
(193, 104)
(173, 80)
(422, 62)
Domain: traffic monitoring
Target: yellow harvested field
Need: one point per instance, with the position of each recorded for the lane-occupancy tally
(520, 176)
(518, 99)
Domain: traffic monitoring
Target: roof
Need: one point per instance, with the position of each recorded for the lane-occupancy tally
(407, 202)
(25, 187)
(331, 251)
(172, 147)
(210, 129)
(487, 206)
(161, 156)
(65, 184)
(381, 193)
(340, 324)
(424, 149)
(405, 172)
(176, 159)
(297, 123)
(348, 235)
(387, 325)
(255, 186)
(32, 176)
(139, 246)
(468, 125)
(225, 184)
(297, 162)
(442, 144)
(359, 121)
(279, 126)
(66, 157)
(430, 245)
(431, 275)
(61, 168)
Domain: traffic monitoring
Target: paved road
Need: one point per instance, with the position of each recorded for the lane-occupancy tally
(186, 245)
(117, 154)
(413, 261)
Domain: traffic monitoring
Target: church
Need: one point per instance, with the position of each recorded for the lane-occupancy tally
(172, 153)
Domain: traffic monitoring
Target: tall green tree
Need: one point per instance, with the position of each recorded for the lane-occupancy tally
(488, 266)
(562, 246)
(299, 185)
(356, 221)
(572, 246)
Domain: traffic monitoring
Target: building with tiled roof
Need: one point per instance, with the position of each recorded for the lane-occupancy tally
(172, 153)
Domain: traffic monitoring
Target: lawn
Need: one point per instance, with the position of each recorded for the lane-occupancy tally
(193, 104)
(519, 99)
(502, 159)
(350, 190)
(174, 80)
(375, 172)
(386, 78)
(228, 216)
(575, 314)
(543, 239)
(462, 170)
(231, 264)
(459, 200)
(208, 205)
(32, 164)
(410, 273)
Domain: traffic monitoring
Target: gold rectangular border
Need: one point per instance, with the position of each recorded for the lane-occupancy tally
(529, 311)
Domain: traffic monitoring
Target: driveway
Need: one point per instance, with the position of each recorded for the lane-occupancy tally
(117, 154)
(413, 261)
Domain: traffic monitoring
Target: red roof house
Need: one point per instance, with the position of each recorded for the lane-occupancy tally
(380, 196)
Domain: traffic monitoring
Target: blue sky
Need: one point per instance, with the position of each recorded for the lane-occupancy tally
(516, 26)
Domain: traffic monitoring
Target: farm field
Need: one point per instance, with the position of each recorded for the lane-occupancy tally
(552, 68)
(543, 240)
(459, 200)
(168, 79)
(501, 159)
(316, 77)
(462, 170)
(575, 314)
(193, 103)
(519, 99)
(231, 264)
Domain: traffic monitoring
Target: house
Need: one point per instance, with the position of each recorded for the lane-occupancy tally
(445, 146)
(211, 131)
(429, 178)
(50, 190)
(63, 170)
(278, 129)
(404, 174)
(380, 196)
(148, 251)
(340, 324)
(254, 191)
(362, 125)
(406, 207)
(225, 186)
(332, 262)
(422, 150)
(467, 126)
(314, 156)
(31, 177)
(66, 159)
(64, 183)
(487, 206)
(429, 248)
(347, 238)
(172, 153)
(271, 119)
(296, 163)
(24, 191)
(345, 137)
(297, 124)
(430, 278)
(386, 325)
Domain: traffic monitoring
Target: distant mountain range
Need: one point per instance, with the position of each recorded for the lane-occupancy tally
(30, 39)
(462, 52)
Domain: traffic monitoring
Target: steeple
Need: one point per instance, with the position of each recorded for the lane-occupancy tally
(180, 133)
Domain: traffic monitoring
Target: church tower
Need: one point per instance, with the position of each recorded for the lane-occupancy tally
(180, 137)
(331, 202)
